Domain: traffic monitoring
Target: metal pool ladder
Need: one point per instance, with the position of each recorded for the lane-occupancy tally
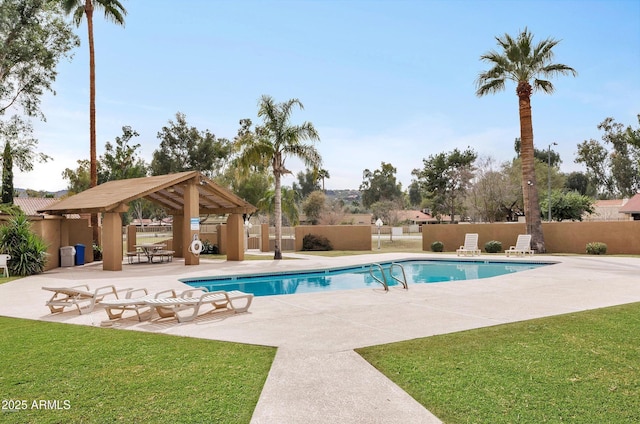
(383, 281)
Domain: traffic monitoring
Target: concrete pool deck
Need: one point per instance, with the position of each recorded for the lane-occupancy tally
(316, 376)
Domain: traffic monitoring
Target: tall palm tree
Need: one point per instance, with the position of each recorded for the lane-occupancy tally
(275, 141)
(322, 174)
(113, 11)
(525, 64)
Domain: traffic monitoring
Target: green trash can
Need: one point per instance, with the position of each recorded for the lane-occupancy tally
(79, 254)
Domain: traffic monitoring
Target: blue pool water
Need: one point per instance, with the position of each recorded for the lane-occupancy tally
(416, 271)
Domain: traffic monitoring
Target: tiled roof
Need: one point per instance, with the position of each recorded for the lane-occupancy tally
(414, 215)
(632, 206)
(609, 203)
(31, 205)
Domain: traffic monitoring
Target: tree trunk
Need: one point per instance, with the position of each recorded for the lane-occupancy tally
(529, 184)
(278, 215)
(92, 115)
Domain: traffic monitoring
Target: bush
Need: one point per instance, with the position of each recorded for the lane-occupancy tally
(28, 251)
(97, 252)
(596, 248)
(437, 246)
(316, 242)
(493, 246)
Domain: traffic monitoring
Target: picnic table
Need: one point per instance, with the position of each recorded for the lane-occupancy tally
(151, 250)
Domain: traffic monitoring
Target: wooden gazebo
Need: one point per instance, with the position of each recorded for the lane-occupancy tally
(185, 195)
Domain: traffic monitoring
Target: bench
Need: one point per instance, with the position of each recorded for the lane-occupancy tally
(162, 254)
(131, 255)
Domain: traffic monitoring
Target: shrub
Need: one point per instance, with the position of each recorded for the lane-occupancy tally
(493, 246)
(437, 246)
(28, 251)
(596, 248)
(97, 252)
(316, 242)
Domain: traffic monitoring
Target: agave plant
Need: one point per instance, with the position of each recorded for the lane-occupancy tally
(28, 251)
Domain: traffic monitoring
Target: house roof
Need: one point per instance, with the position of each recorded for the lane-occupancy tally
(414, 215)
(632, 206)
(31, 205)
(166, 191)
(609, 203)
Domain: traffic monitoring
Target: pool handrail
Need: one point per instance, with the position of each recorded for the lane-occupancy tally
(384, 278)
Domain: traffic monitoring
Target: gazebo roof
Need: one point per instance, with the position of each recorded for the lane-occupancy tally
(164, 190)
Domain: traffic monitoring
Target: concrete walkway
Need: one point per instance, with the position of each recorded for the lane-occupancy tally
(316, 376)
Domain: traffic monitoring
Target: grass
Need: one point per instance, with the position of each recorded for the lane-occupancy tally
(100, 375)
(582, 367)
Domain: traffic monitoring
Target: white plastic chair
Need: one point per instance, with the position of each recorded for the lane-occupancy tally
(4, 265)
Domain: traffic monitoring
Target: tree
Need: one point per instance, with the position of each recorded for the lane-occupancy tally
(122, 161)
(289, 199)
(307, 183)
(415, 194)
(525, 64)
(614, 172)
(33, 39)
(493, 194)
(578, 181)
(274, 141)
(380, 185)
(79, 179)
(444, 180)
(7, 174)
(568, 205)
(322, 175)
(19, 150)
(544, 155)
(185, 148)
(115, 12)
(314, 205)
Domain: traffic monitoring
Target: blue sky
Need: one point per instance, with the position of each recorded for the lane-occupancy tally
(390, 81)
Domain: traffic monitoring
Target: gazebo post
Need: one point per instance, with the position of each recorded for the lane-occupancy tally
(112, 242)
(235, 237)
(191, 220)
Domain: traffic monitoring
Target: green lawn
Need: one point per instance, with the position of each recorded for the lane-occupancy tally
(96, 375)
(580, 368)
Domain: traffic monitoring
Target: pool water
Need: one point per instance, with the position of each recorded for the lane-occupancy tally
(416, 271)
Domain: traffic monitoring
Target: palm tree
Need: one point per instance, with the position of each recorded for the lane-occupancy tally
(322, 174)
(525, 64)
(274, 141)
(115, 12)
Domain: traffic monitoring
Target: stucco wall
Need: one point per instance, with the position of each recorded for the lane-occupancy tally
(560, 237)
(342, 237)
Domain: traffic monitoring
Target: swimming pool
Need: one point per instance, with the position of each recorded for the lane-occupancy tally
(357, 277)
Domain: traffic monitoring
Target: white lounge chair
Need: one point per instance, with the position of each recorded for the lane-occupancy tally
(3, 264)
(470, 245)
(133, 302)
(522, 247)
(190, 300)
(76, 295)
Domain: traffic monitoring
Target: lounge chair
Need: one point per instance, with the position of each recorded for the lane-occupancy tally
(133, 302)
(470, 245)
(3, 264)
(76, 295)
(522, 247)
(170, 307)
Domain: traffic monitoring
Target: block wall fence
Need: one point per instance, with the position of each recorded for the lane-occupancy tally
(621, 237)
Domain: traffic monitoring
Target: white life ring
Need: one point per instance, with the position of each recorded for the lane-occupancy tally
(196, 247)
